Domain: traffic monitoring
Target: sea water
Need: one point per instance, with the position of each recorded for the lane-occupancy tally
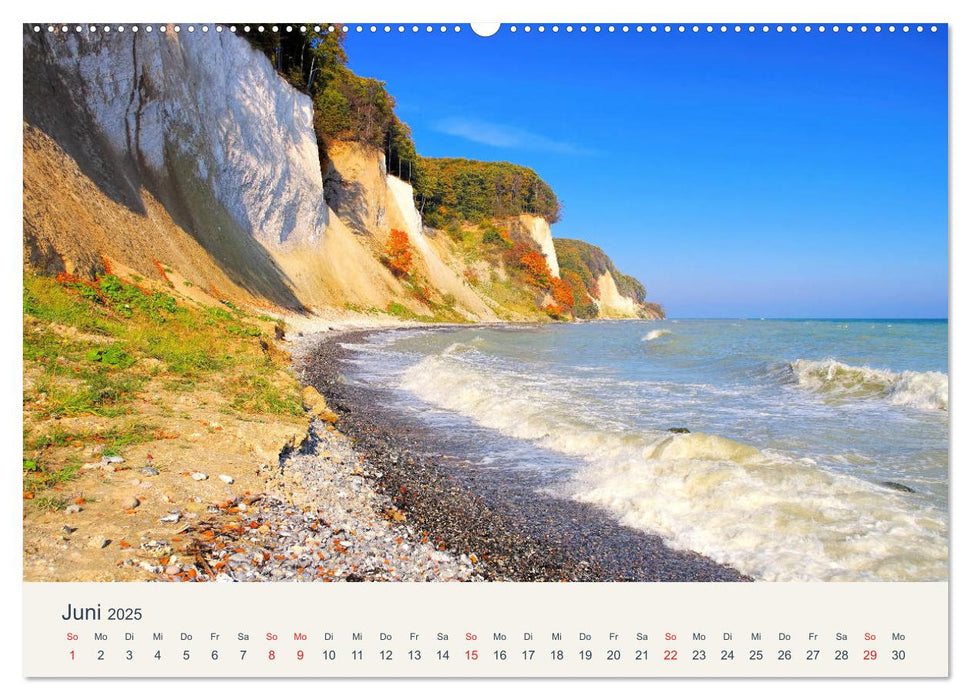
(815, 449)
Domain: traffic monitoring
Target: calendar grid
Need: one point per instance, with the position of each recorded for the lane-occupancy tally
(514, 630)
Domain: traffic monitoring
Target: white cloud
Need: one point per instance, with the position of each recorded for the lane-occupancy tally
(505, 136)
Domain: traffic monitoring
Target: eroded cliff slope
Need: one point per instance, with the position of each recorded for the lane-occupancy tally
(187, 155)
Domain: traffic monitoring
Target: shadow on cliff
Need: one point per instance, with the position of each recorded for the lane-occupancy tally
(240, 256)
(347, 199)
(53, 105)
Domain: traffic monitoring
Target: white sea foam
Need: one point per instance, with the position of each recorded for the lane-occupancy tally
(770, 516)
(657, 333)
(463, 347)
(927, 390)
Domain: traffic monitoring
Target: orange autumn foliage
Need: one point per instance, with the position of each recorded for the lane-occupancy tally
(66, 278)
(161, 271)
(536, 268)
(562, 293)
(398, 252)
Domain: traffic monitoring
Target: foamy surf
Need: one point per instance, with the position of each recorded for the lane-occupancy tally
(769, 515)
(655, 334)
(926, 390)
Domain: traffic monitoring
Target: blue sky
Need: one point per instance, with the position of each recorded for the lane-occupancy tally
(775, 175)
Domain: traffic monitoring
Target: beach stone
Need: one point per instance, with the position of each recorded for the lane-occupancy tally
(679, 431)
(171, 518)
(173, 569)
(149, 470)
(113, 459)
(898, 487)
(72, 509)
(395, 515)
(98, 542)
(199, 476)
(226, 478)
(316, 404)
(130, 502)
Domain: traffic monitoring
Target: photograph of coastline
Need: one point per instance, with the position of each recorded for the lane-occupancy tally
(321, 303)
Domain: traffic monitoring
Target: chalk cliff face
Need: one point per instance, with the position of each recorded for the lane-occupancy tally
(611, 302)
(538, 230)
(201, 112)
(187, 150)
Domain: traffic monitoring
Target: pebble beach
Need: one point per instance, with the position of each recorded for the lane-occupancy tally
(320, 520)
(501, 534)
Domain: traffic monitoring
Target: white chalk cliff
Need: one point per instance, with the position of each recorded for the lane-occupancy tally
(189, 150)
(206, 109)
(611, 301)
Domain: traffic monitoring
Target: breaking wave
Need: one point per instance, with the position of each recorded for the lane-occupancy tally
(657, 333)
(927, 390)
(769, 515)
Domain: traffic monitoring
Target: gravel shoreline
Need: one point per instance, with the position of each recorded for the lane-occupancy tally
(319, 519)
(502, 529)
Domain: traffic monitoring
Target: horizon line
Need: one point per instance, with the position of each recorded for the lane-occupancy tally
(806, 318)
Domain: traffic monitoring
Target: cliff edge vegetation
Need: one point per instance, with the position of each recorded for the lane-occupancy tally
(586, 267)
(475, 190)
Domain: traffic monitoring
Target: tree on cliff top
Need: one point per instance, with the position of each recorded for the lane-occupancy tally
(475, 190)
(308, 60)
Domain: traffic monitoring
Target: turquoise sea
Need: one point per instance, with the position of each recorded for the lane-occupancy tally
(818, 449)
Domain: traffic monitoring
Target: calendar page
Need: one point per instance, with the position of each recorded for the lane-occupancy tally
(540, 349)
